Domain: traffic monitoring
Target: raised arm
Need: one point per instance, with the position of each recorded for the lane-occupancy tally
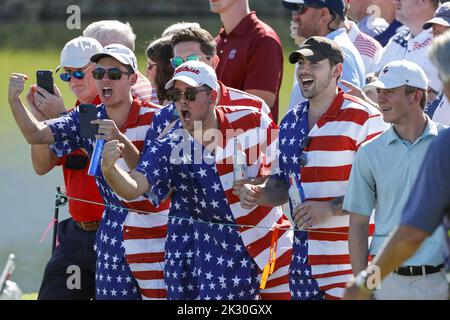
(34, 131)
(127, 185)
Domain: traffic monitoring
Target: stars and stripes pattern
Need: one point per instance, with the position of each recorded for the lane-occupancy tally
(215, 259)
(114, 279)
(369, 48)
(334, 140)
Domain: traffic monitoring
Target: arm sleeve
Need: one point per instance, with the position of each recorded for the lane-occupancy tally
(429, 200)
(156, 167)
(66, 132)
(360, 196)
(265, 67)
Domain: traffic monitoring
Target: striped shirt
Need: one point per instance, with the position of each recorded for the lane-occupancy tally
(143, 90)
(116, 238)
(334, 140)
(144, 234)
(204, 192)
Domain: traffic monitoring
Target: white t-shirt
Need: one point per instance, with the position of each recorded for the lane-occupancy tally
(404, 46)
(369, 48)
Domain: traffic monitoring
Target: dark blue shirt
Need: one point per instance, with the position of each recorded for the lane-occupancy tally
(429, 202)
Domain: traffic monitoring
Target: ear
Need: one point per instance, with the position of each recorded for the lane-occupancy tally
(215, 61)
(212, 98)
(133, 79)
(337, 70)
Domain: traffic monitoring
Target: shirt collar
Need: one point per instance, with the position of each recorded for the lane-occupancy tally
(133, 115)
(225, 99)
(243, 26)
(333, 110)
(335, 33)
(431, 129)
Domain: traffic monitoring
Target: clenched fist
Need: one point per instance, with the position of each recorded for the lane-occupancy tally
(111, 152)
(16, 85)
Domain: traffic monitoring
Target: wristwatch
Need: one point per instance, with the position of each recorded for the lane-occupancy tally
(361, 282)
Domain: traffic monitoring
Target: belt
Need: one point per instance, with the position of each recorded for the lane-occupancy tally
(417, 270)
(88, 226)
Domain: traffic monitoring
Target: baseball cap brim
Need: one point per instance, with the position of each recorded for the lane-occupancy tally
(440, 21)
(188, 80)
(307, 54)
(96, 57)
(376, 84)
(290, 6)
(72, 65)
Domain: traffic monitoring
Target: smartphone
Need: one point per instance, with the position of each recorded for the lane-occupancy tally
(44, 79)
(88, 112)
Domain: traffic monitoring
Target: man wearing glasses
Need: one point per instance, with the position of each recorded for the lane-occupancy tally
(213, 257)
(318, 141)
(76, 235)
(193, 44)
(115, 74)
(324, 18)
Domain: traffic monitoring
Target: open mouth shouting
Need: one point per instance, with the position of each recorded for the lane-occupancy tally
(186, 115)
(307, 82)
(106, 91)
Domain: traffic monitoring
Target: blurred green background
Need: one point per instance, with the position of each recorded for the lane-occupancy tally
(34, 42)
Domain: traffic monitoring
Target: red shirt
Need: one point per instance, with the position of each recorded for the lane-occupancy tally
(251, 57)
(82, 186)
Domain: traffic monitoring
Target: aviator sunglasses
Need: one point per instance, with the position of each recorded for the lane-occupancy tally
(77, 74)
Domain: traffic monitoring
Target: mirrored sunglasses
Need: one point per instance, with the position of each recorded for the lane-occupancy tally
(77, 74)
(177, 61)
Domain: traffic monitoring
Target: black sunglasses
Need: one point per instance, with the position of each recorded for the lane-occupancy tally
(303, 157)
(190, 94)
(301, 7)
(113, 73)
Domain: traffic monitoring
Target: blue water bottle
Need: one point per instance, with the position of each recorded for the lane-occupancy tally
(96, 159)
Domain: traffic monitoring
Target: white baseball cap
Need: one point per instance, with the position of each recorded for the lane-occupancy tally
(78, 52)
(441, 16)
(400, 73)
(194, 73)
(119, 52)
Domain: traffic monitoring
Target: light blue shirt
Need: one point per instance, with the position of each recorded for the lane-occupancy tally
(382, 176)
(353, 69)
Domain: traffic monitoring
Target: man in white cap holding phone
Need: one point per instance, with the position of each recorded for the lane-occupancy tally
(122, 118)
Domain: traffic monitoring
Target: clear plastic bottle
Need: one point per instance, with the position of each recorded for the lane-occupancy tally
(239, 162)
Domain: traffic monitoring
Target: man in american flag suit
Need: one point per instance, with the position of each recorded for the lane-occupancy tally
(318, 142)
(115, 74)
(211, 252)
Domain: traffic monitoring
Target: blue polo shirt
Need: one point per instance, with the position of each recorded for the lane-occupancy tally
(383, 174)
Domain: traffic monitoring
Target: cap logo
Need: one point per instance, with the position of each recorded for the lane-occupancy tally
(187, 69)
(385, 70)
